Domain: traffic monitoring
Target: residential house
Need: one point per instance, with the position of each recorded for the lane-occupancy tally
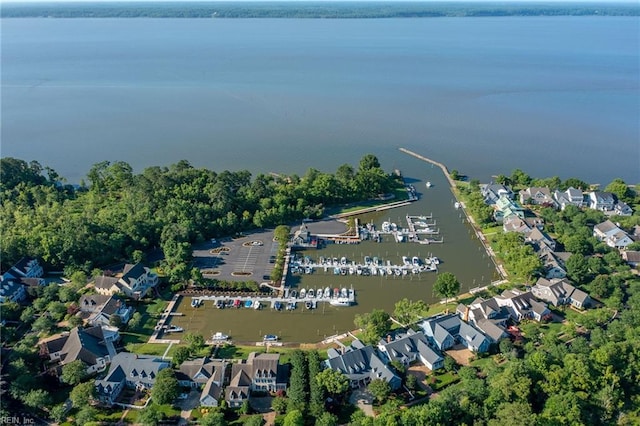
(444, 331)
(89, 345)
(11, 291)
(570, 197)
(205, 373)
(554, 264)
(539, 196)
(128, 370)
(515, 224)
(260, 372)
(27, 267)
(612, 235)
(521, 305)
(540, 240)
(622, 209)
(631, 257)
(361, 364)
(409, 347)
(491, 192)
(99, 309)
(560, 292)
(603, 201)
(486, 316)
(135, 281)
(505, 208)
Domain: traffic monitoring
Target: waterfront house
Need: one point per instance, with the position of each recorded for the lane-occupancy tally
(361, 364)
(128, 370)
(196, 373)
(570, 197)
(603, 201)
(560, 292)
(260, 372)
(515, 224)
(303, 239)
(99, 309)
(505, 208)
(409, 347)
(89, 345)
(487, 316)
(539, 196)
(444, 331)
(135, 281)
(491, 192)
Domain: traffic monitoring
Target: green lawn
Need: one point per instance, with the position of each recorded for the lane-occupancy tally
(443, 380)
(150, 312)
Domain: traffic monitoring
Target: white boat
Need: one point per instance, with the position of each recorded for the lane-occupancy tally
(386, 227)
(195, 303)
(327, 293)
(429, 185)
(308, 304)
(340, 301)
(344, 293)
(303, 293)
(319, 293)
(270, 338)
(257, 305)
(405, 260)
(218, 336)
(174, 329)
(456, 205)
(310, 293)
(343, 260)
(415, 261)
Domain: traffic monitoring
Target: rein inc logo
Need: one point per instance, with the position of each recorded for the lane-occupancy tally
(16, 420)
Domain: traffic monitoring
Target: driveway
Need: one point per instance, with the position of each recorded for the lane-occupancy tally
(187, 405)
(363, 400)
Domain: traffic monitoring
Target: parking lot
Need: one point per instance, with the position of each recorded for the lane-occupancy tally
(250, 257)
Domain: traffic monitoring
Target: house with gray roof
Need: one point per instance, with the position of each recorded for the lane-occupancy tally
(27, 267)
(98, 309)
(603, 201)
(444, 331)
(361, 364)
(409, 347)
(539, 196)
(612, 235)
(632, 257)
(88, 345)
(203, 373)
(553, 264)
(560, 292)
(129, 370)
(211, 394)
(521, 305)
(539, 240)
(135, 281)
(491, 192)
(260, 372)
(570, 197)
(11, 291)
(515, 224)
(622, 209)
(487, 316)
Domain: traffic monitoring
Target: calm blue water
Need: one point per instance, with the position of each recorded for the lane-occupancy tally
(552, 96)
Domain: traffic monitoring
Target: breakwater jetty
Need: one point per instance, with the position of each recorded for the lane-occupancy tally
(469, 218)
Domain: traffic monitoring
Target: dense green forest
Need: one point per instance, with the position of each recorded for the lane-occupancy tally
(311, 9)
(119, 214)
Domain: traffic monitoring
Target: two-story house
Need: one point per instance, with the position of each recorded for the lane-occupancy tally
(361, 364)
(491, 192)
(128, 370)
(603, 201)
(560, 292)
(89, 345)
(445, 331)
(99, 309)
(260, 372)
(521, 305)
(612, 235)
(11, 291)
(135, 281)
(203, 373)
(408, 347)
(570, 197)
(539, 196)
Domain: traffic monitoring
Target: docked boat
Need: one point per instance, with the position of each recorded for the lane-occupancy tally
(429, 184)
(319, 293)
(174, 329)
(327, 293)
(291, 306)
(336, 292)
(277, 306)
(257, 305)
(344, 292)
(308, 304)
(237, 303)
(219, 337)
(270, 338)
(303, 293)
(343, 260)
(196, 303)
(340, 301)
(310, 293)
(415, 261)
(248, 304)
(456, 205)
(405, 261)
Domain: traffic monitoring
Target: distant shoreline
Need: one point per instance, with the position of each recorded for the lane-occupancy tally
(312, 9)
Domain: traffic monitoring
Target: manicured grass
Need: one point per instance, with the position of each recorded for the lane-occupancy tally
(237, 352)
(157, 349)
(443, 380)
(150, 312)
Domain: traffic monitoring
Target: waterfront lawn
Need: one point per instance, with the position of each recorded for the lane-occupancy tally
(236, 352)
(150, 311)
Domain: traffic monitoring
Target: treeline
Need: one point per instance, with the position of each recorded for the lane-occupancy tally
(119, 215)
(323, 10)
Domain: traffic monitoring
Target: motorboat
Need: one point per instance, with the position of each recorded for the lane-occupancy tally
(195, 303)
(429, 184)
(319, 293)
(218, 336)
(270, 338)
(257, 305)
(308, 304)
(456, 205)
(291, 306)
(174, 329)
(248, 304)
(310, 293)
(277, 306)
(327, 293)
(303, 293)
(219, 304)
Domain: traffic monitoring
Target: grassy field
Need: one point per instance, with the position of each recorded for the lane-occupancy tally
(150, 311)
